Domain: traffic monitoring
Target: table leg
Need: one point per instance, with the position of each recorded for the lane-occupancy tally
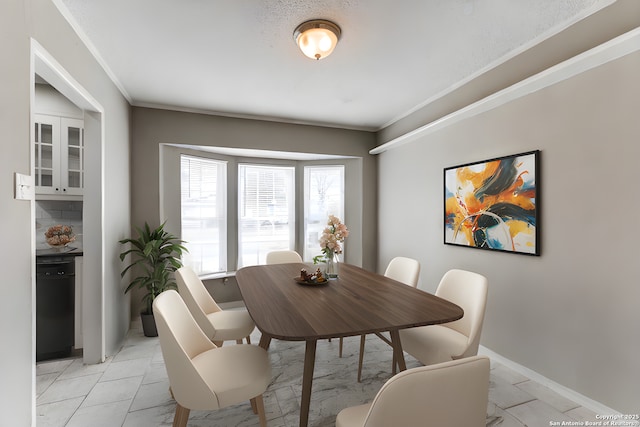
(307, 380)
(397, 350)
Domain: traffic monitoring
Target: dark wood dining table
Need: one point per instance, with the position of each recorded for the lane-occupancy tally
(358, 302)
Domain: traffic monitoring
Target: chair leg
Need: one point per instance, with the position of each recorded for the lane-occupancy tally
(239, 341)
(362, 339)
(248, 339)
(395, 364)
(254, 405)
(181, 417)
(265, 341)
(340, 348)
(261, 413)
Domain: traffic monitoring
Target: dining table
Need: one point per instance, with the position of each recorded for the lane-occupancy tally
(358, 302)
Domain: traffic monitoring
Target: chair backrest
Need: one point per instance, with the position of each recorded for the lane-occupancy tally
(449, 394)
(469, 291)
(181, 340)
(198, 299)
(405, 270)
(283, 257)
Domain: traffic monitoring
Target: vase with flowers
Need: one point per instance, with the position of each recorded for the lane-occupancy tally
(331, 244)
(59, 236)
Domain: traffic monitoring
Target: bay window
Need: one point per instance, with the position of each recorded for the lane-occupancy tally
(234, 210)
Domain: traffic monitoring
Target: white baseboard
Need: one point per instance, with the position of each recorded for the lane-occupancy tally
(570, 394)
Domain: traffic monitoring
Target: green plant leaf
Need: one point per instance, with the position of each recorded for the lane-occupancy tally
(155, 256)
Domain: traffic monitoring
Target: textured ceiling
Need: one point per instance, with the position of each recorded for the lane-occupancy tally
(238, 57)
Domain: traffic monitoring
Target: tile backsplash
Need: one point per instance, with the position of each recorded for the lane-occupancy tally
(53, 212)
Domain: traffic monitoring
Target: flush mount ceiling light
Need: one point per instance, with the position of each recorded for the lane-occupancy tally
(317, 38)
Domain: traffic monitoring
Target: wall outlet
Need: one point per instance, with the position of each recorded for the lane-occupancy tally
(24, 187)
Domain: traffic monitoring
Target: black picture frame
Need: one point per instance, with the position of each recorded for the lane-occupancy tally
(494, 204)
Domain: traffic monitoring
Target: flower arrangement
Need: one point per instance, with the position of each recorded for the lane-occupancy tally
(59, 235)
(332, 236)
(330, 242)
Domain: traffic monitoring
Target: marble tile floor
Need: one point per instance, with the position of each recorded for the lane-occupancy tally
(131, 389)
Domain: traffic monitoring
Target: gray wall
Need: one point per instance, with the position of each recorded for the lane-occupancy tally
(152, 128)
(570, 314)
(20, 20)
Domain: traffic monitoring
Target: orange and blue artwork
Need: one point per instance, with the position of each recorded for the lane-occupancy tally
(493, 204)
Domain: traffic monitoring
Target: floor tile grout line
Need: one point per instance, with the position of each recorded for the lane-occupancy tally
(515, 405)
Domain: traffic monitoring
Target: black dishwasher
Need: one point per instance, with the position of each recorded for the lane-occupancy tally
(55, 295)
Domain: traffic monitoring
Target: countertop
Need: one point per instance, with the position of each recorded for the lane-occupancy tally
(67, 251)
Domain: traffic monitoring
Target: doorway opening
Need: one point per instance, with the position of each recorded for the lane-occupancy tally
(45, 67)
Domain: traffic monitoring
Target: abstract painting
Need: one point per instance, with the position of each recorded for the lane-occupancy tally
(493, 204)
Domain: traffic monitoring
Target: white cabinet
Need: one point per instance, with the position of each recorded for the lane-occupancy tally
(59, 156)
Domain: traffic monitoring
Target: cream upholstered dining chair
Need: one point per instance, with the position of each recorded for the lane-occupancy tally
(201, 375)
(402, 269)
(218, 324)
(282, 257)
(405, 270)
(449, 394)
(454, 340)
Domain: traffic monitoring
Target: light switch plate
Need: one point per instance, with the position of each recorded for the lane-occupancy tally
(24, 187)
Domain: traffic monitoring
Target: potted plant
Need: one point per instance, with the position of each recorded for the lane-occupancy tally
(156, 256)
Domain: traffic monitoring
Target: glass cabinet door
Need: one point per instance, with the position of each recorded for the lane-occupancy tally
(46, 139)
(75, 154)
(58, 155)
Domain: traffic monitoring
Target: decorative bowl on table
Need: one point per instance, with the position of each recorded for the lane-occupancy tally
(59, 236)
(317, 278)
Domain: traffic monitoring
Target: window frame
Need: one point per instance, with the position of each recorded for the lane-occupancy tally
(308, 257)
(292, 211)
(221, 206)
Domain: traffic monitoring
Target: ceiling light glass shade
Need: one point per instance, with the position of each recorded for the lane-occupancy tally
(317, 38)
